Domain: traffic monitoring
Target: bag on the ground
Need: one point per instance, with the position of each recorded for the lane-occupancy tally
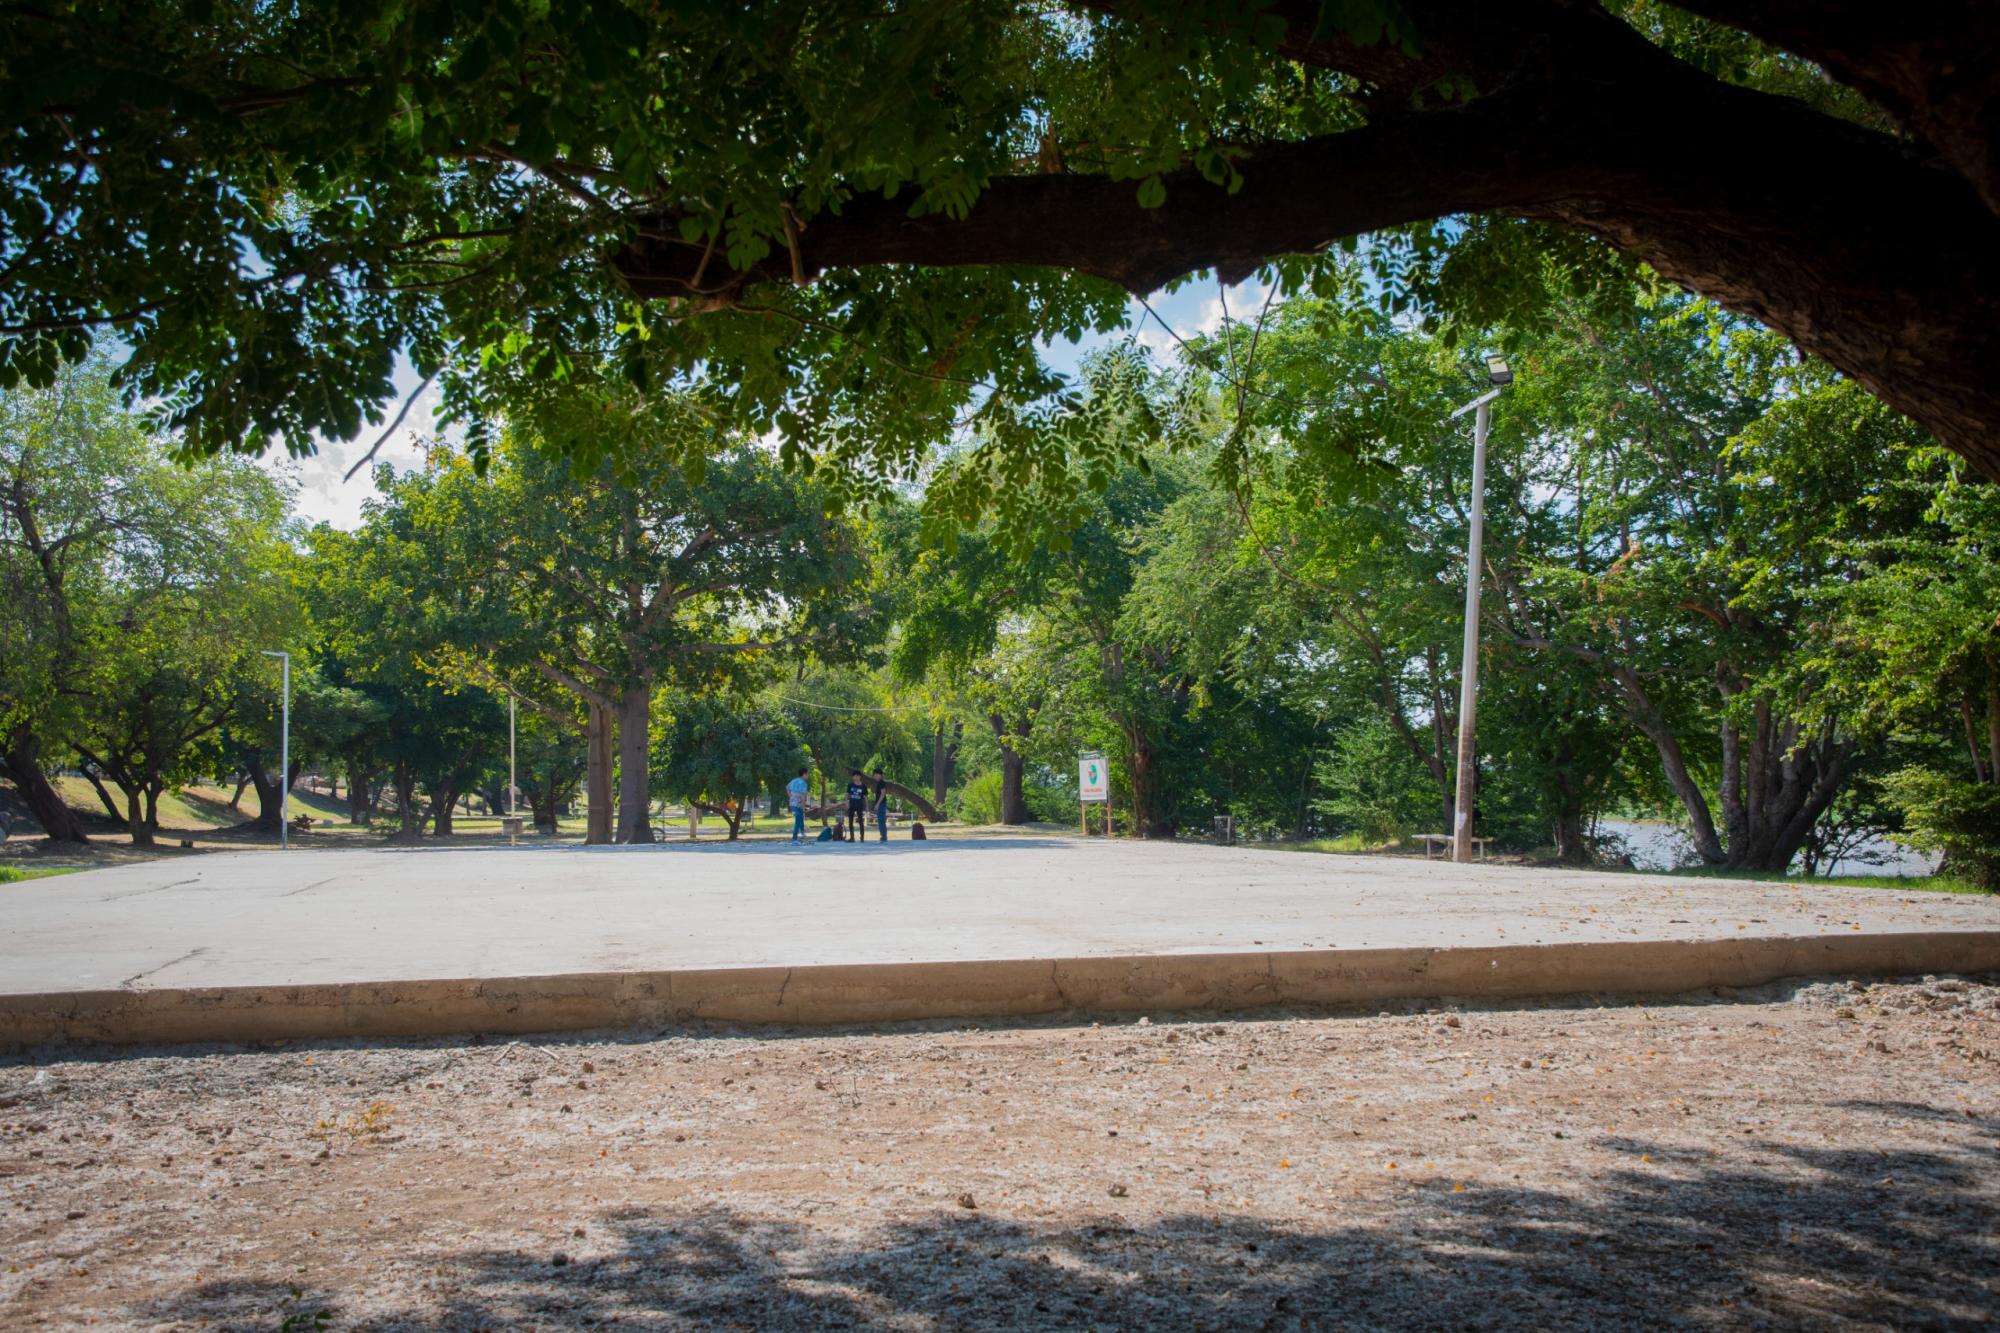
(917, 833)
(825, 835)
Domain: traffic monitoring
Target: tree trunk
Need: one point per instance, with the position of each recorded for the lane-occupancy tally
(271, 793)
(924, 807)
(443, 807)
(944, 758)
(90, 775)
(153, 790)
(1647, 717)
(635, 795)
(358, 805)
(135, 818)
(543, 802)
(236, 799)
(1013, 803)
(406, 802)
(1993, 726)
(597, 769)
(1148, 819)
(22, 760)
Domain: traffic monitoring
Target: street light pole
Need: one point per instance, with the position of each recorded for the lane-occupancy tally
(510, 756)
(1500, 376)
(285, 755)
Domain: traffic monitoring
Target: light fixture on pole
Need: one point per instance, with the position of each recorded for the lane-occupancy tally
(1499, 374)
(285, 755)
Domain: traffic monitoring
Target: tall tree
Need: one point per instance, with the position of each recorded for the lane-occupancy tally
(139, 590)
(661, 564)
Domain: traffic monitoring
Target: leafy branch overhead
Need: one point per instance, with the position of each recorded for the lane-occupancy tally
(851, 225)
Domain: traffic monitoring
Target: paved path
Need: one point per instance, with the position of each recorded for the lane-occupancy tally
(310, 917)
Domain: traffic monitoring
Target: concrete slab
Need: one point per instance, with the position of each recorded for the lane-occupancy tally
(408, 941)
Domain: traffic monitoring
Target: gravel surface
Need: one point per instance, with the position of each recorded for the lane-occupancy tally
(1794, 1156)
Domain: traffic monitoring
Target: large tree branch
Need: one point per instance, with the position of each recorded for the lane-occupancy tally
(1801, 221)
(1934, 66)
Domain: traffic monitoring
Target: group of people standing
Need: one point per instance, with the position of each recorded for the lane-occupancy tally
(855, 827)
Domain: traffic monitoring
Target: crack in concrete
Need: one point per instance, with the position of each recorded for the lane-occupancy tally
(132, 981)
(783, 986)
(157, 888)
(315, 884)
(1055, 979)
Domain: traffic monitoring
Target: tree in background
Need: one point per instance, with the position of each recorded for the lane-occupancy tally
(720, 753)
(427, 730)
(143, 589)
(670, 562)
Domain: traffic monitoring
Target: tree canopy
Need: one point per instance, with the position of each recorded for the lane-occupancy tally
(852, 224)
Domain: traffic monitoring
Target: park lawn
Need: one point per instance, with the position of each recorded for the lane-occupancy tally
(191, 809)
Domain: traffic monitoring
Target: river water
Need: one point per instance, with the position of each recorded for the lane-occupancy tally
(1662, 846)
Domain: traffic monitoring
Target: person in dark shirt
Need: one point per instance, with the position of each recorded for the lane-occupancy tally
(857, 806)
(881, 806)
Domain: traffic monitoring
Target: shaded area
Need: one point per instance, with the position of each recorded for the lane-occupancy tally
(1785, 1236)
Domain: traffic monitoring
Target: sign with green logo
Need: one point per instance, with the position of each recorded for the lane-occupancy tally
(1093, 777)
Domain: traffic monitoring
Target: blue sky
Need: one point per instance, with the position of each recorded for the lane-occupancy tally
(323, 495)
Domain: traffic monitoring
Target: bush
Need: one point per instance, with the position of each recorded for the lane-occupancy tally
(1947, 814)
(978, 801)
(1373, 787)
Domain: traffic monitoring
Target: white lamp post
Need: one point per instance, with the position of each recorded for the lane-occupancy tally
(1499, 375)
(285, 755)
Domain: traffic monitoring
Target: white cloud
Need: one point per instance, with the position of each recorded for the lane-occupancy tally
(322, 493)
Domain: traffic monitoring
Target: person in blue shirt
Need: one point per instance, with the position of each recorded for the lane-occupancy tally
(795, 792)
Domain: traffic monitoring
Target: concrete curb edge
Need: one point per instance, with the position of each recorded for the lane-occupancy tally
(999, 988)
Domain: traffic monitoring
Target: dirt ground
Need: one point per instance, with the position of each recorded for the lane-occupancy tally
(1796, 1156)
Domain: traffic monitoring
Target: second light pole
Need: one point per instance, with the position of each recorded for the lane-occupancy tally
(1499, 375)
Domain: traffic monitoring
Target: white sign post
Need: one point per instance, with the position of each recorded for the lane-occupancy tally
(1093, 784)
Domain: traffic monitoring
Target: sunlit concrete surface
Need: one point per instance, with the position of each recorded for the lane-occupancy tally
(329, 918)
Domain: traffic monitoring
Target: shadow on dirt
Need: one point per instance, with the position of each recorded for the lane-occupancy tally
(1898, 1239)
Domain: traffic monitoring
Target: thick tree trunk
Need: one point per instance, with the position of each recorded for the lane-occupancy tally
(635, 795)
(542, 801)
(22, 761)
(600, 823)
(270, 796)
(358, 805)
(135, 817)
(271, 793)
(153, 790)
(1149, 820)
(443, 807)
(1013, 801)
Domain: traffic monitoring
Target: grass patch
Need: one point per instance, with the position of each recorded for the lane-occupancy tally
(1346, 842)
(1900, 883)
(20, 874)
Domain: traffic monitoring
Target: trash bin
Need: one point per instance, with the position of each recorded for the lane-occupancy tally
(511, 825)
(1225, 830)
